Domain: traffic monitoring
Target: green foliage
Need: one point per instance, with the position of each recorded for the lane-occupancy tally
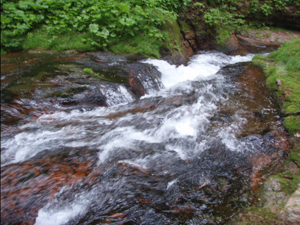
(139, 45)
(150, 47)
(3, 52)
(268, 7)
(40, 39)
(91, 72)
(223, 20)
(103, 19)
(221, 17)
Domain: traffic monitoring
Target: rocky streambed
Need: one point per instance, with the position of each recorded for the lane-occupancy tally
(96, 138)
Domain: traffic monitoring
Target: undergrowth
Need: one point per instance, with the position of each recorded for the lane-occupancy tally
(40, 39)
(99, 23)
(102, 24)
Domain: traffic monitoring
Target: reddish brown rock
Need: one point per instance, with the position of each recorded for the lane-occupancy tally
(136, 84)
(27, 187)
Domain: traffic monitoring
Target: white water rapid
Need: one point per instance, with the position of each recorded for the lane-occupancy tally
(96, 130)
(163, 136)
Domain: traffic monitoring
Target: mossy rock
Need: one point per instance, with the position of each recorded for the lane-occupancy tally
(256, 215)
(187, 30)
(284, 65)
(151, 47)
(292, 124)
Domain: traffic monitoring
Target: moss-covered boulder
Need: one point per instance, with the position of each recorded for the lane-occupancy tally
(282, 69)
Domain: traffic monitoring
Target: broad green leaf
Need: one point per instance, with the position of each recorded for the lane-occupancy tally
(116, 12)
(94, 28)
(25, 4)
(124, 7)
(20, 13)
(112, 25)
(50, 1)
(5, 20)
(129, 22)
(104, 33)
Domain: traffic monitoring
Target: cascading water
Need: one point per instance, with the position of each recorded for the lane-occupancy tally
(180, 155)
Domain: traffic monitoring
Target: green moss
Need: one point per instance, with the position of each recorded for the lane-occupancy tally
(173, 37)
(256, 215)
(288, 185)
(222, 36)
(289, 52)
(261, 62)
(295, 155)
(139, 45)
(88, 70)
(284, 64)
(292, 124)
(186, 29)
(40, 39)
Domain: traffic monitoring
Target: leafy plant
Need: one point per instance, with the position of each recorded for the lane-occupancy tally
(103, 19)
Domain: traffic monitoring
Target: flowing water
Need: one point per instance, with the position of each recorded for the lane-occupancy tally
(183, 153)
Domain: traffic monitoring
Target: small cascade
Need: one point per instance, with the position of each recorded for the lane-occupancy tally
(174, 145)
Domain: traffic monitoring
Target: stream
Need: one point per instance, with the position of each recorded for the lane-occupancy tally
(137, 142)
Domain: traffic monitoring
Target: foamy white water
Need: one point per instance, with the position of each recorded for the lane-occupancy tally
(177, 155)
(200, 67)
(182, 130)
(94, 129)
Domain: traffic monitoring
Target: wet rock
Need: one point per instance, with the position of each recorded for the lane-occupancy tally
(231, 46)
(195, 193)
(188, 34)
(147, 182)
(143, 78)
(261, 113)
(28, 186)
(63, 84)
(136, 85)
(179, 59)
(255, 40)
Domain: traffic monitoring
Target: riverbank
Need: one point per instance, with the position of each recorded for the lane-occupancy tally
(278, 198)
